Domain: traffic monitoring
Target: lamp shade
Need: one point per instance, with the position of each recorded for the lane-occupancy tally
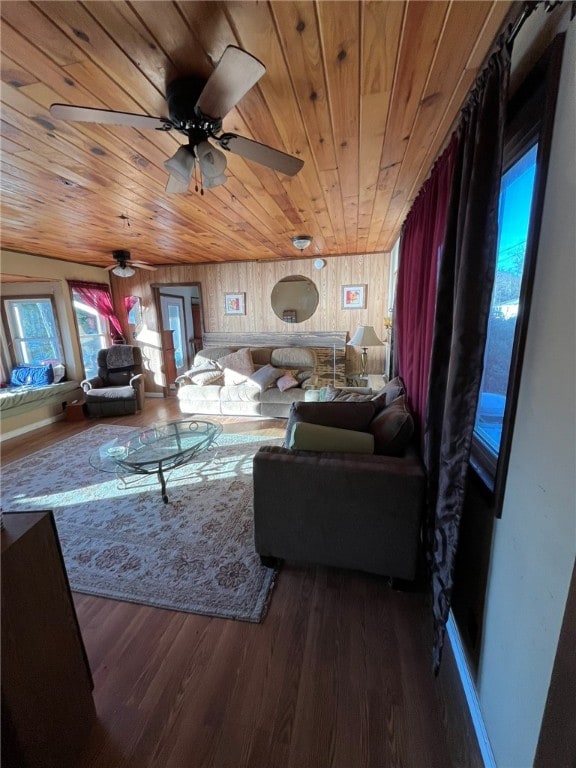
(365, 336)
(212, 161)
(181, 163)
(214, 181)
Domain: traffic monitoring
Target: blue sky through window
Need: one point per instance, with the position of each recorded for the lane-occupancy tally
(514, 221)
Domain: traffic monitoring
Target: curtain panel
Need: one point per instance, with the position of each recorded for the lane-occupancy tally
(465, 281)
(422, 238)
(98, 297)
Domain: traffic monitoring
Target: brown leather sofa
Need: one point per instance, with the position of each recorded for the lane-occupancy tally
(350, 510)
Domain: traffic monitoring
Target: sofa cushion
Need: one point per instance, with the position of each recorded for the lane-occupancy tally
(287, 381)
(210, 353)
(240, 363)
(345, 415)
(392, 428)
(293, 357)
(265, 377)
(315, 437)
(33, 375)
(106, 394)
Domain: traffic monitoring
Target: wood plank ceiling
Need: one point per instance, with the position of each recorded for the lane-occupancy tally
(364, 92)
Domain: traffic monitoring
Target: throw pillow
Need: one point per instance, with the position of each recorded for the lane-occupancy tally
(239, 362)
(287, 382)
(389, 392)
(265, 377)
(314, 437)
(233, 378)
(392, 428)
(206, 376)
(58, 368)
(355, 416)
(345, 396)
(33, 375)
(303, 376)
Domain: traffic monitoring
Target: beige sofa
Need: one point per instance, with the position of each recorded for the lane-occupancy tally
(221, 382)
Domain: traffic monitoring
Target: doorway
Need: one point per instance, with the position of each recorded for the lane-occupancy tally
(179, 311)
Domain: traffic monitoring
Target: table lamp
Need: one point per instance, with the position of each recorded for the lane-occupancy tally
(365, 337)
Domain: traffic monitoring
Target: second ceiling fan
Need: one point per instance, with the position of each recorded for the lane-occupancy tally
(197, 108)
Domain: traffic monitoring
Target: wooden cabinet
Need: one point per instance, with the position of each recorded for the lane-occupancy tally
(47, 704)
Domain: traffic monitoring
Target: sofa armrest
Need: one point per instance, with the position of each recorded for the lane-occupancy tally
(344, 510)
(94, 383)
(137, 382)
(183, 380)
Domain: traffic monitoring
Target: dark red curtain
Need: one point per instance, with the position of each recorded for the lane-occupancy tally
(98, 297)
(465, 281)
(422, 238)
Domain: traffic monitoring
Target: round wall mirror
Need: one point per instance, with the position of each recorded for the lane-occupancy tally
(294, 299)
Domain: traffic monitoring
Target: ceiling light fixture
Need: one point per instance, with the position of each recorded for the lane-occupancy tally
(121, 271)
(211, 160)
(181, 164)
(301, 241)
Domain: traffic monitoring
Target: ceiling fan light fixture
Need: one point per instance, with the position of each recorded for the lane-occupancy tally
(181, 163)
(212, 161)
(301, 242)
(215, 181)
(125, 271)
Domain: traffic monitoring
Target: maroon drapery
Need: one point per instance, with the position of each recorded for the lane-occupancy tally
(422, 238)
(98, 297)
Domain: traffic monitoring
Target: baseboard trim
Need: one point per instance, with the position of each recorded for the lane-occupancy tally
(30, 427)
(469, 690)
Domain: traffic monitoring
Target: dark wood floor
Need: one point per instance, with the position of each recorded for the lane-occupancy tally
(337, 675)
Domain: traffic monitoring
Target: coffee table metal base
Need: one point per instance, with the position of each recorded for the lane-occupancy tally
(156, 450)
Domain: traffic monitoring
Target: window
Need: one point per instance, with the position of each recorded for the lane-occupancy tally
(92, 332)
(516, 196)
(526, 153)
(33, 330)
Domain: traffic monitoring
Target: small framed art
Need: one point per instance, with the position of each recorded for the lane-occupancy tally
(234, 303)
(353, 297)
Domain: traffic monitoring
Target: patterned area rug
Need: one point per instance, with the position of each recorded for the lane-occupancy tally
(119, 540)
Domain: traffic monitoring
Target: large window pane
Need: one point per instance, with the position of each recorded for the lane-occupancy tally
(33, 330)
(93, 334)
(514, 220)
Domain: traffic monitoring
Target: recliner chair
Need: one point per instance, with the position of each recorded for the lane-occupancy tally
(118, 389)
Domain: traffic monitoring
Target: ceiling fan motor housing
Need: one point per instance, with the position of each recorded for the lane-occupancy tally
(121, 257)
(182, 95)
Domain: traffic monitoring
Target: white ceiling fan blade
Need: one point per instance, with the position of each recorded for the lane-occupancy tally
(261, 153)
(235, 73)
(107, 117)
(143, 265)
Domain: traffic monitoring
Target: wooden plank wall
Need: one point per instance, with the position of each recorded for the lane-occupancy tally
(256, 280)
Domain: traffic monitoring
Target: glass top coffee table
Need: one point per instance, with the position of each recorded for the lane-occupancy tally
(156, 449)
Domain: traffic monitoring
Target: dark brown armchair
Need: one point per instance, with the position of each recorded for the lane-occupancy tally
(118, 389)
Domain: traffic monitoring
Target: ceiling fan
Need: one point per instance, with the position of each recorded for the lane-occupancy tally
(124, 265)
(197, 108)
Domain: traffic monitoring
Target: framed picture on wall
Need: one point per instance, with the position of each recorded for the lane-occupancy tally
(353, 297)
(234, 303)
